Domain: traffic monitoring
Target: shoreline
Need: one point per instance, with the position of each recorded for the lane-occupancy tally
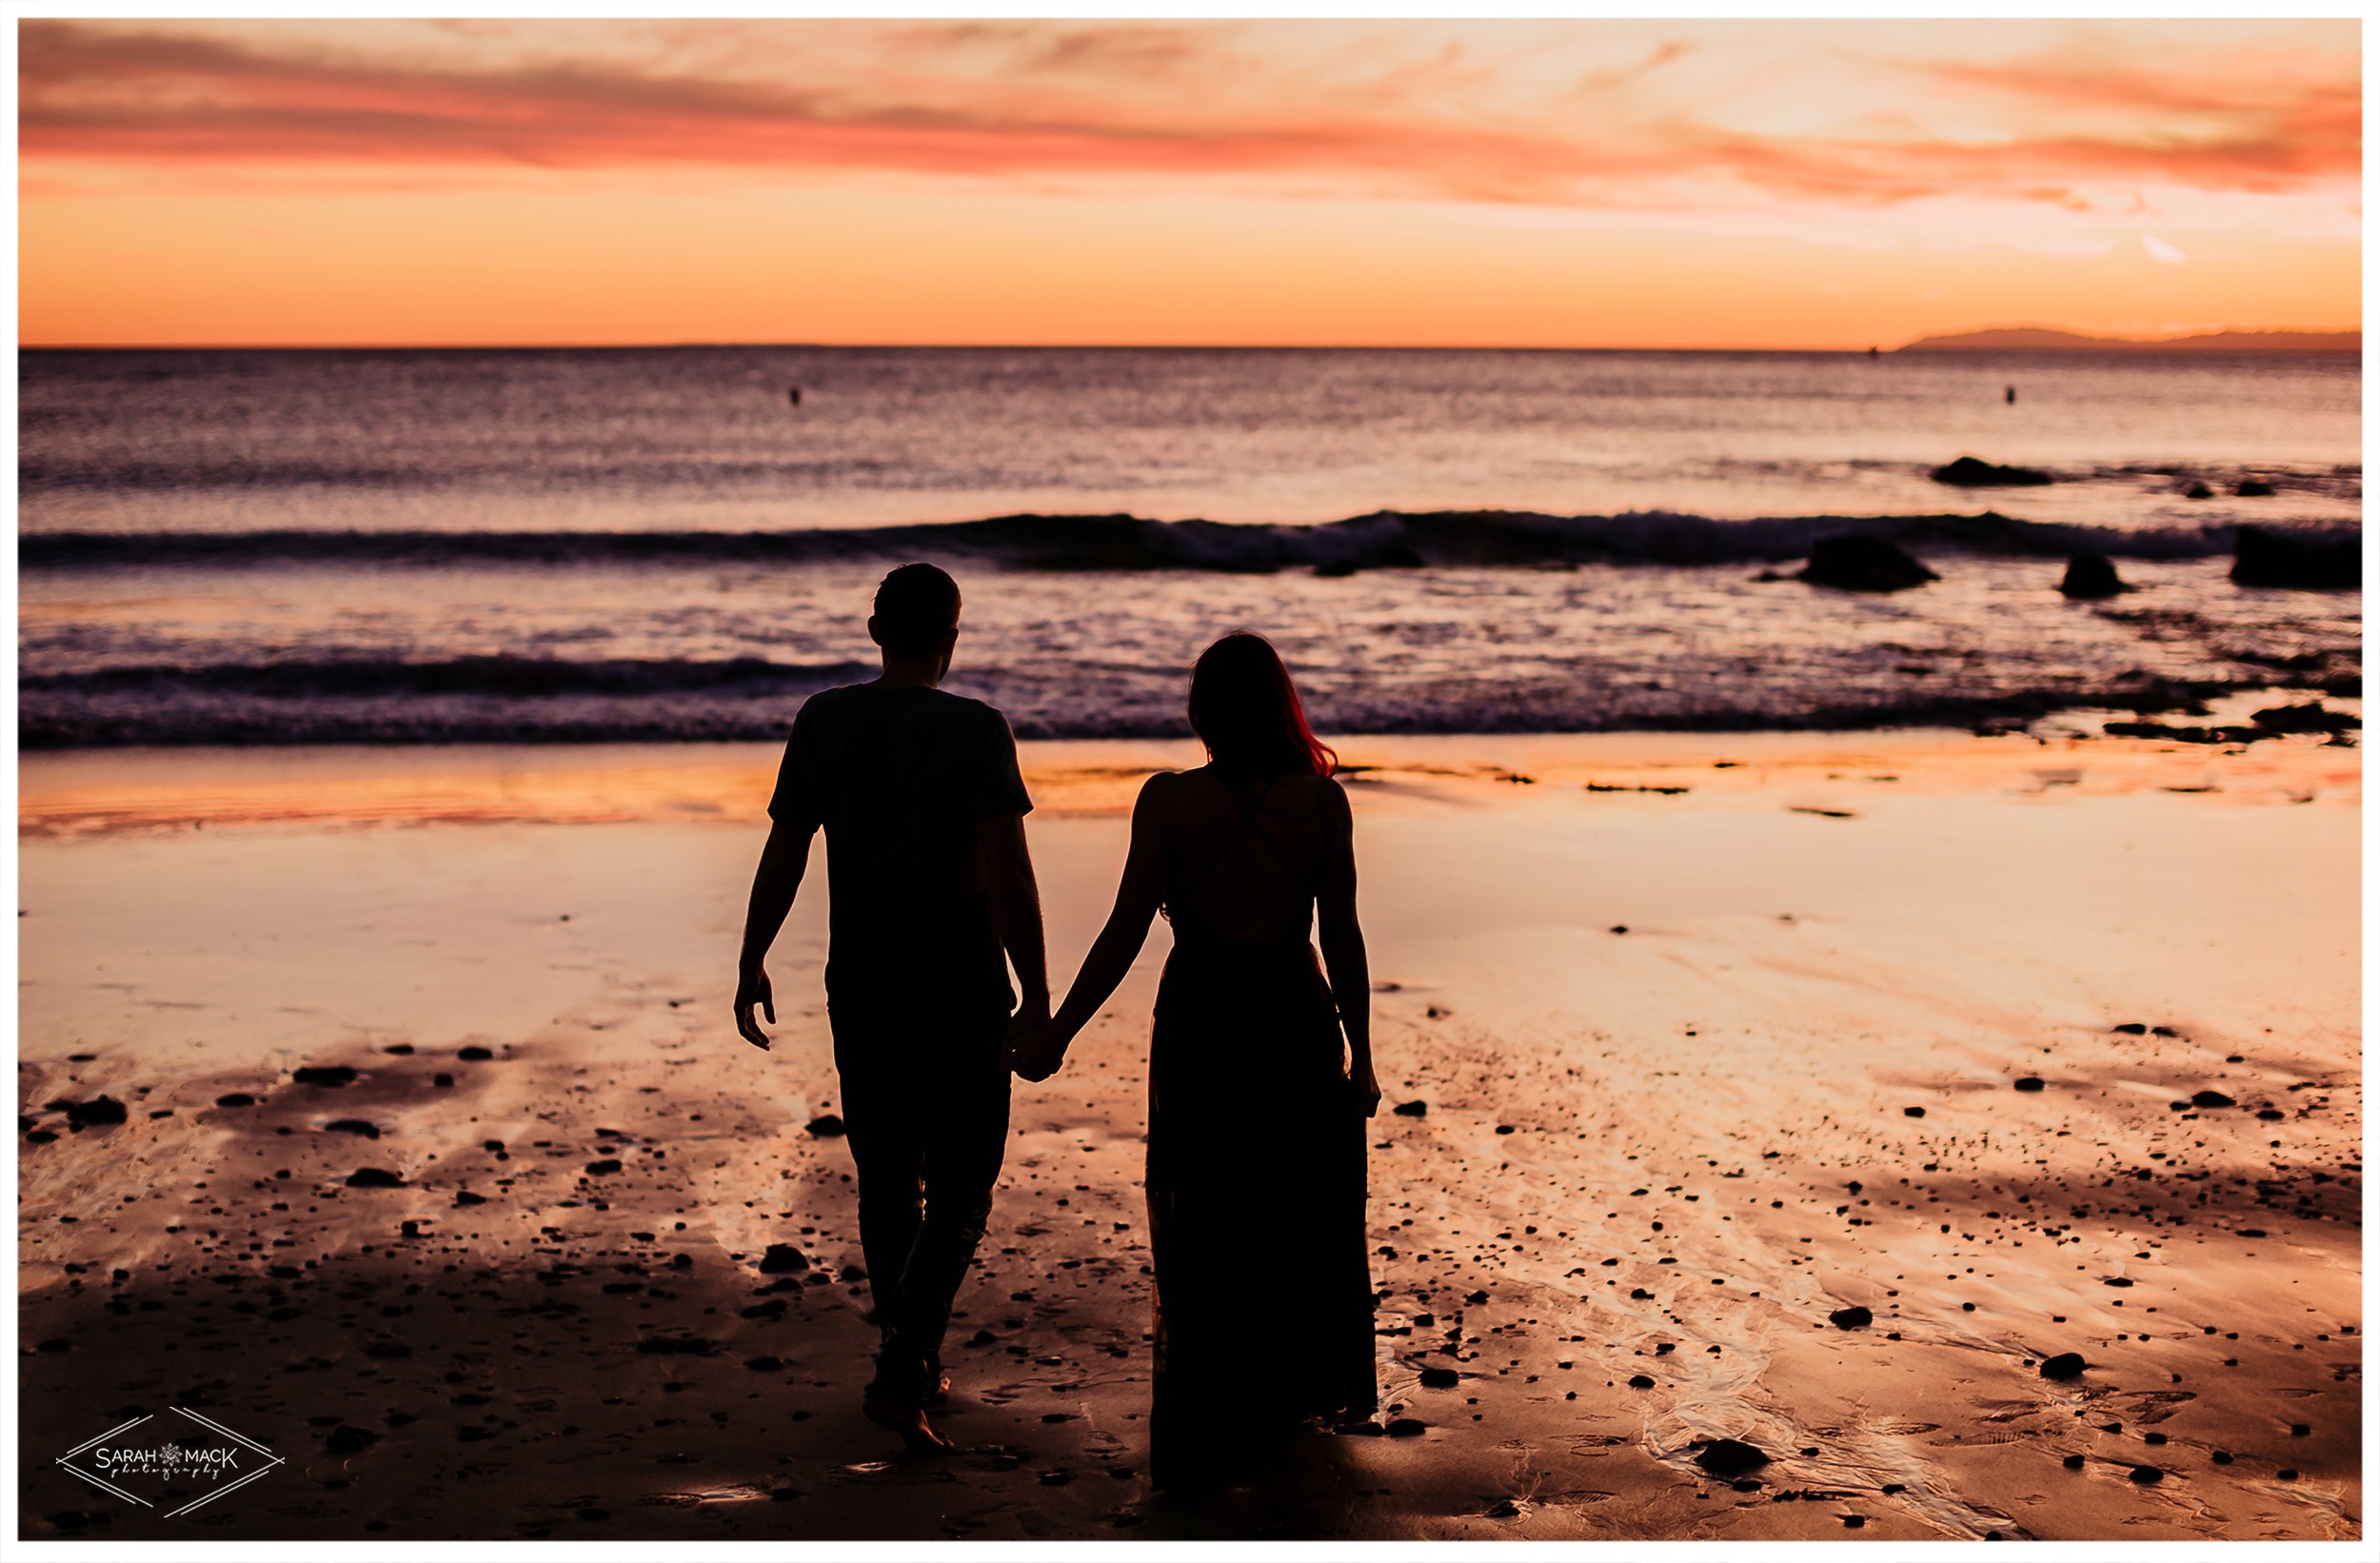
(1669, 1045)
(85, 791)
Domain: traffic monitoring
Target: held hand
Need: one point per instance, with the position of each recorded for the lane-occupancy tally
(1035, 1048)
(1367, 1089)
(752, 988)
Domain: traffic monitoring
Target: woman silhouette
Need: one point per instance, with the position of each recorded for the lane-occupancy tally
(1256, 1174)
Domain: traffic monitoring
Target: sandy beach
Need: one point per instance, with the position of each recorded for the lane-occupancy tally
(1813, 1091)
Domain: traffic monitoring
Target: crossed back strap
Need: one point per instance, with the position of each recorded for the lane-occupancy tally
(1248, 822)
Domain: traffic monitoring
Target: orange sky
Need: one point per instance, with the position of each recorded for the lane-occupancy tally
(1530, 184)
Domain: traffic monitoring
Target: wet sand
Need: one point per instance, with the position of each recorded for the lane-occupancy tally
(1698, 1070)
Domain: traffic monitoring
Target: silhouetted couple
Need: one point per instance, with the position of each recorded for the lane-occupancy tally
(1260, 1066)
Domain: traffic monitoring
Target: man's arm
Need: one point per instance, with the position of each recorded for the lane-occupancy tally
(1016, 908)
(782, 860)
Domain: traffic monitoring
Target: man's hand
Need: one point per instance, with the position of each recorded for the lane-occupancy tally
(752, 988)
(1035, 1048)
(1367, 1088)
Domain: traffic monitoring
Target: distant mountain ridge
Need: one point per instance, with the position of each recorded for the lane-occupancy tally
(2033, 338)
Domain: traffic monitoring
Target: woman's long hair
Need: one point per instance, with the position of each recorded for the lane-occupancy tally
(1247, 713)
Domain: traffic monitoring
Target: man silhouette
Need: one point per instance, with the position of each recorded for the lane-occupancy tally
(932, 896)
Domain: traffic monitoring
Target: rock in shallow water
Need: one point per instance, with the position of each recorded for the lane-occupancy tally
(1857, 562)
(2090, 576)
(1970, 472)
(2310, 561)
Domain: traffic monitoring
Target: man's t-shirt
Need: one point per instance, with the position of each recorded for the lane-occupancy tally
(900, 778)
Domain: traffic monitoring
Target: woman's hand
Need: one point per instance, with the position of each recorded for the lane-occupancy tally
(1367, 1089)
(752, 989)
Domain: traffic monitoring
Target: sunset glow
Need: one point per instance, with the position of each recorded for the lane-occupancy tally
(1618, 183)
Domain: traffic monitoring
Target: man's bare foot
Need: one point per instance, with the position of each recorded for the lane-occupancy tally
(917, 1434)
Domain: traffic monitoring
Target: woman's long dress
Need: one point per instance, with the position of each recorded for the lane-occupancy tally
(1256, 1194)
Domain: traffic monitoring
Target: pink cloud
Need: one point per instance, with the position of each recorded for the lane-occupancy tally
(991, 99)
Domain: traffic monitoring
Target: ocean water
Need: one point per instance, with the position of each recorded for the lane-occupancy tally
(259, 547)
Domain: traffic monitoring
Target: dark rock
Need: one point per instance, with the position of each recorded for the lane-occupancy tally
(1968, 472)
(352, 1126)
(2029, 1082)
(2131, 1028)
(2064, 1365)
(1439, 1378)
(783, 1257)
(346, 1440)
(608, 1164)
(374, 1178)
(1411, 1109)
(1912, 1112)
(328, 1073)
(764, 1364)
(465, 1196)
(2313, 718)
(2073, 1462)
(2210, 1099)
(82, 1114)
(1730, 1457)
(2254, 489)
(473, 1054)
(2301, 1430)
(2221, 1457)
(2229, 733)
(1857, 562)
(1640, 1382)
(2090, 576)
(2147, 1475)
(1407, 1426)
(2115, 1280)
(2306, 561)
(1853, 1318)
(2198, 491)
(390, 1349)
(825, 1126)
(674, 1346)
(1854, 1521)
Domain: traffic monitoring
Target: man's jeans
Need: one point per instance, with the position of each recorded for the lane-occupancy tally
(925, 1105)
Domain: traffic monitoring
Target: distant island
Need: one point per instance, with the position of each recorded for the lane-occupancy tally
(2034, 339)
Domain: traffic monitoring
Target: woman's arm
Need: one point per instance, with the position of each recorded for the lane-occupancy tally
(1037, 1057)
(1343, 956)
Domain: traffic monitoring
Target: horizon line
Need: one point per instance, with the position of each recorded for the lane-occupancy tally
(1158, 347)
